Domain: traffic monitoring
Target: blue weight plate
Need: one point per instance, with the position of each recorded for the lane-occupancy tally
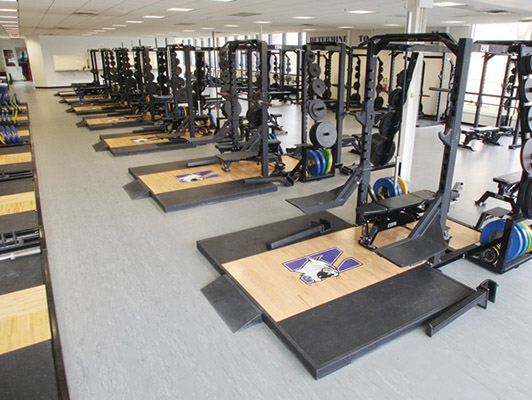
(398, 191)
(494, 227)
(14, 133)
(524, 239)
(323, 162)
(312, 163)
(319, 164)
(387, 184)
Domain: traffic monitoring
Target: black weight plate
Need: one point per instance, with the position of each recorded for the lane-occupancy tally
(356, 85)
(152, 88)
(387, 124)
(379, 88)
(254, 116)
(525, 65)
(379, 102)
(178, 82)
(323, 134)
(400, 78)
(395, 98)
(226, 109)
(525, 90)
(177, 71)
(526, 156)
(526, 119)
(382, 150)
(327, 94)
(310, 56)
(226, 76)
(225, 64)
(224, 54)
(149, 77)
(355, 98)
(317, 109)
(182, 96)
(225, 88)
(314, 70)
(317, 86)
(162, 79)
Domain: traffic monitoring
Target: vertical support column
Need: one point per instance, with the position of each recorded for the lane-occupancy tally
(304, 94)
(349, 78)
(368, 123)
(417, 11)
(264, 96)
(340, 112)
(249, 61)
(454, 126)
(188, 79)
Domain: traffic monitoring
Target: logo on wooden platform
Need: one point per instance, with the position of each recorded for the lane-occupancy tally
(319, 266)
(197, 176)
(145, 139)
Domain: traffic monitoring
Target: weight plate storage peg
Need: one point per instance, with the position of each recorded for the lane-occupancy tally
(318, 86)
(317, 109)
(314, 70)
(323, 134)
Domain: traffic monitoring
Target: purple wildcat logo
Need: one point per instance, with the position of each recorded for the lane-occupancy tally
(319, 266)
(196, 176)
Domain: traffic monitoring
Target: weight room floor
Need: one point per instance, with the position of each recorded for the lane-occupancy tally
(134, 324)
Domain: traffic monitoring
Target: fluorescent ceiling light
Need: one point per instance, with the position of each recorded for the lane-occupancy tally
(98, 30)
(362, 12)
(208, 28)
(8, 16)
(120, 26)
(223, 1)
(109, 29)
(232, 26)
(180, 9)
(309, 29)
(8, 22)
(189, 30)
(303, 17)
(135, 22)
(392, 24)
(262, 22)
(153, 16)
(7, 10)
(448, 4)
(345, 27)
(453, 22)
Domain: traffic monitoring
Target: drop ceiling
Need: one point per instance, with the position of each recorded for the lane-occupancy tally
(78, 17)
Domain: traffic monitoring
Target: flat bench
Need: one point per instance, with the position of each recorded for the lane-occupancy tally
(488, 135)
(391, 212)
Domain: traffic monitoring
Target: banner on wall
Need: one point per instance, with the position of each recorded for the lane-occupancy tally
(327, 38)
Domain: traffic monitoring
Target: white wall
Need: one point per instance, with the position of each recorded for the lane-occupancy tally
(41, 50)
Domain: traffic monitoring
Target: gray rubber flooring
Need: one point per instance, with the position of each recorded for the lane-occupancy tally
(134, 324)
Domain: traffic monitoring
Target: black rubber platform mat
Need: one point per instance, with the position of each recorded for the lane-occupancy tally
(332, 335)
(16, 167)
(210, 194)
(29, 373)
(18, 186)
(163, 167)
(225, 248)
(21, 273)
(26, 148)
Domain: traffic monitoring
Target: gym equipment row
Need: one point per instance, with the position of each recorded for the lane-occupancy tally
(249, 162)
(505, 242)
(30, 349)
(365, 308)
(187, 119)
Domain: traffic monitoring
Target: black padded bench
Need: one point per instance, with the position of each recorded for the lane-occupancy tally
(391, 212)
(507, 191)
(488, 135)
